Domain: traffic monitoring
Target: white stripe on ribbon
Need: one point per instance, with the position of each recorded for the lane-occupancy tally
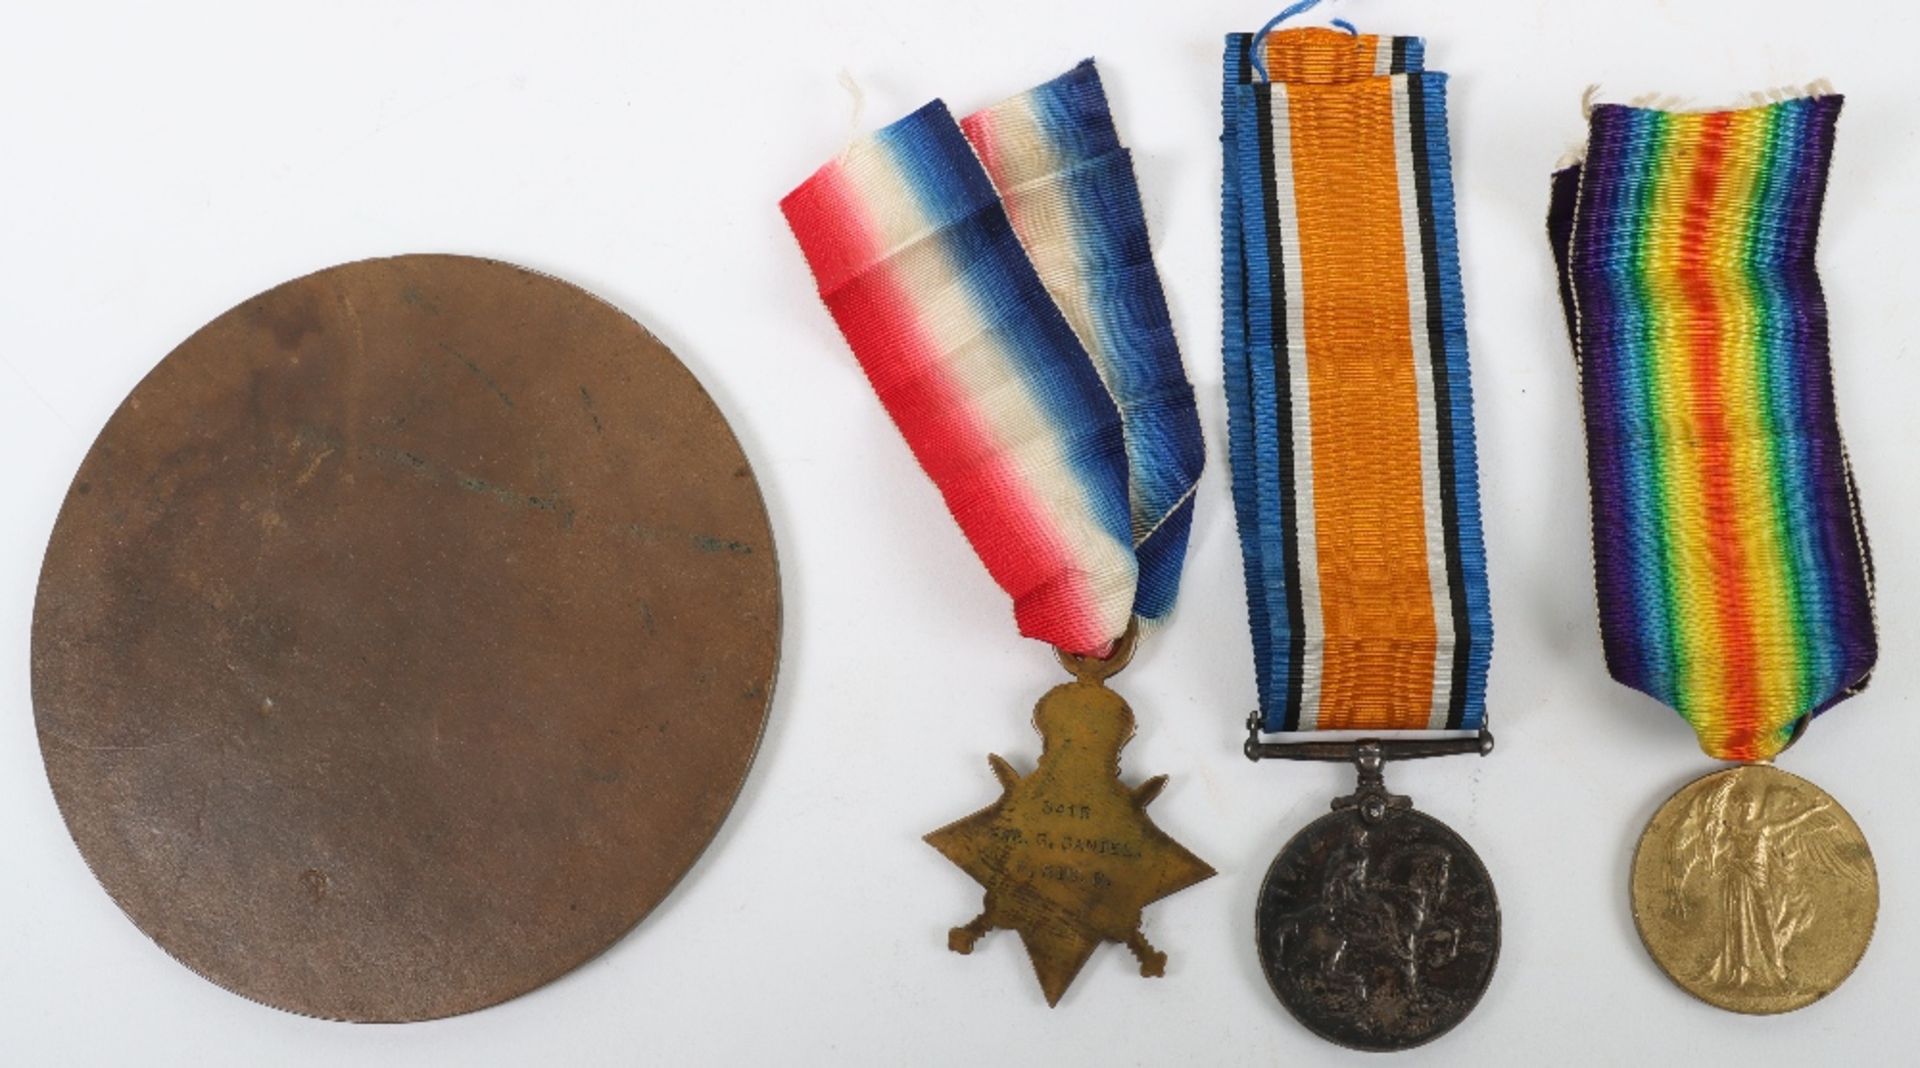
(975, 358)
(893, 216)
(1423, 385)
(1045, 220)
(1306, 545)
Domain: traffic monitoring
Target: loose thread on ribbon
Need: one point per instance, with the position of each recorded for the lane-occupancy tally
(1297, 8)
(858, 110)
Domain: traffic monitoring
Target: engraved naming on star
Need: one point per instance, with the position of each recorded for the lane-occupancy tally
(1067, 854)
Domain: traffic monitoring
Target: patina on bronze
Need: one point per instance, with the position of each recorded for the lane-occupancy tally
(1754, 890)
(404, 638)
(1377, 925)
(1067, 854)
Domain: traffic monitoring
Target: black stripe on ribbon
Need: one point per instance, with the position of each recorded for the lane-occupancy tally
(1442, 398)
(1283, 408)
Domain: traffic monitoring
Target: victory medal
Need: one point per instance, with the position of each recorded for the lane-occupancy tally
(1730, 558)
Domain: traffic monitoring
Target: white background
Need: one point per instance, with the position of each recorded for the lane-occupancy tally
(159, 163)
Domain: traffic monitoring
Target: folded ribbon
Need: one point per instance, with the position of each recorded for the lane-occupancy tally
(1732, 567)
(1350, 412)
(1010, 318)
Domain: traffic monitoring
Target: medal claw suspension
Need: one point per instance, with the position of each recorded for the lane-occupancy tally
(1340, 752)
(1369, 757)
(1371, 796)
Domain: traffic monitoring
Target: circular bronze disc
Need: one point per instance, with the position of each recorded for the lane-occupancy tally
(1378, 934)
(404, 638)
(1754, 890)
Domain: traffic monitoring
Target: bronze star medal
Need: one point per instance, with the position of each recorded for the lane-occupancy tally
(1068, 854)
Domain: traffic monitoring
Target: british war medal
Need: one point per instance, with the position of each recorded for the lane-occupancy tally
(1355, 485)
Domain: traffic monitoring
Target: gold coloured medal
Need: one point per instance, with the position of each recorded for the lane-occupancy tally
(1754, 890)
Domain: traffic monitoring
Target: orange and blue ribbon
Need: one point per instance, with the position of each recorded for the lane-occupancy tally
(1732, 567)
(1009, 317)
(1350, 411)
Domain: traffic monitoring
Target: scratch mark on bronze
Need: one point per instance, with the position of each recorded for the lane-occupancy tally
(138, 747)
(312, 466)
(706, 543)
(359, 332)
(427, 469)
(478, 373)
(586, 401)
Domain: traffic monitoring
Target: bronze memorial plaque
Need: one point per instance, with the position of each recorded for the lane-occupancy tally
(404, 638)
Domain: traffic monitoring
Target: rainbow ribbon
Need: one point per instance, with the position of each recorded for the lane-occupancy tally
(1733, 572)
(997, 286)
(1349, 407)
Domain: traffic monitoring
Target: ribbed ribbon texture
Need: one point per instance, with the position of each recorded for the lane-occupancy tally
(995, 281)
(1350, 412)
(1732, 567)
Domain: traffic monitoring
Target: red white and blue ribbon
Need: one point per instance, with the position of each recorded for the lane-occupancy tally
(1009, 316)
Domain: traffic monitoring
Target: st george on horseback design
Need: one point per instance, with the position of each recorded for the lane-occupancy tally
(1377, 925)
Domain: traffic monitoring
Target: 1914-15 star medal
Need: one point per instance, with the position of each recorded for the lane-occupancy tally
(1068, 854)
